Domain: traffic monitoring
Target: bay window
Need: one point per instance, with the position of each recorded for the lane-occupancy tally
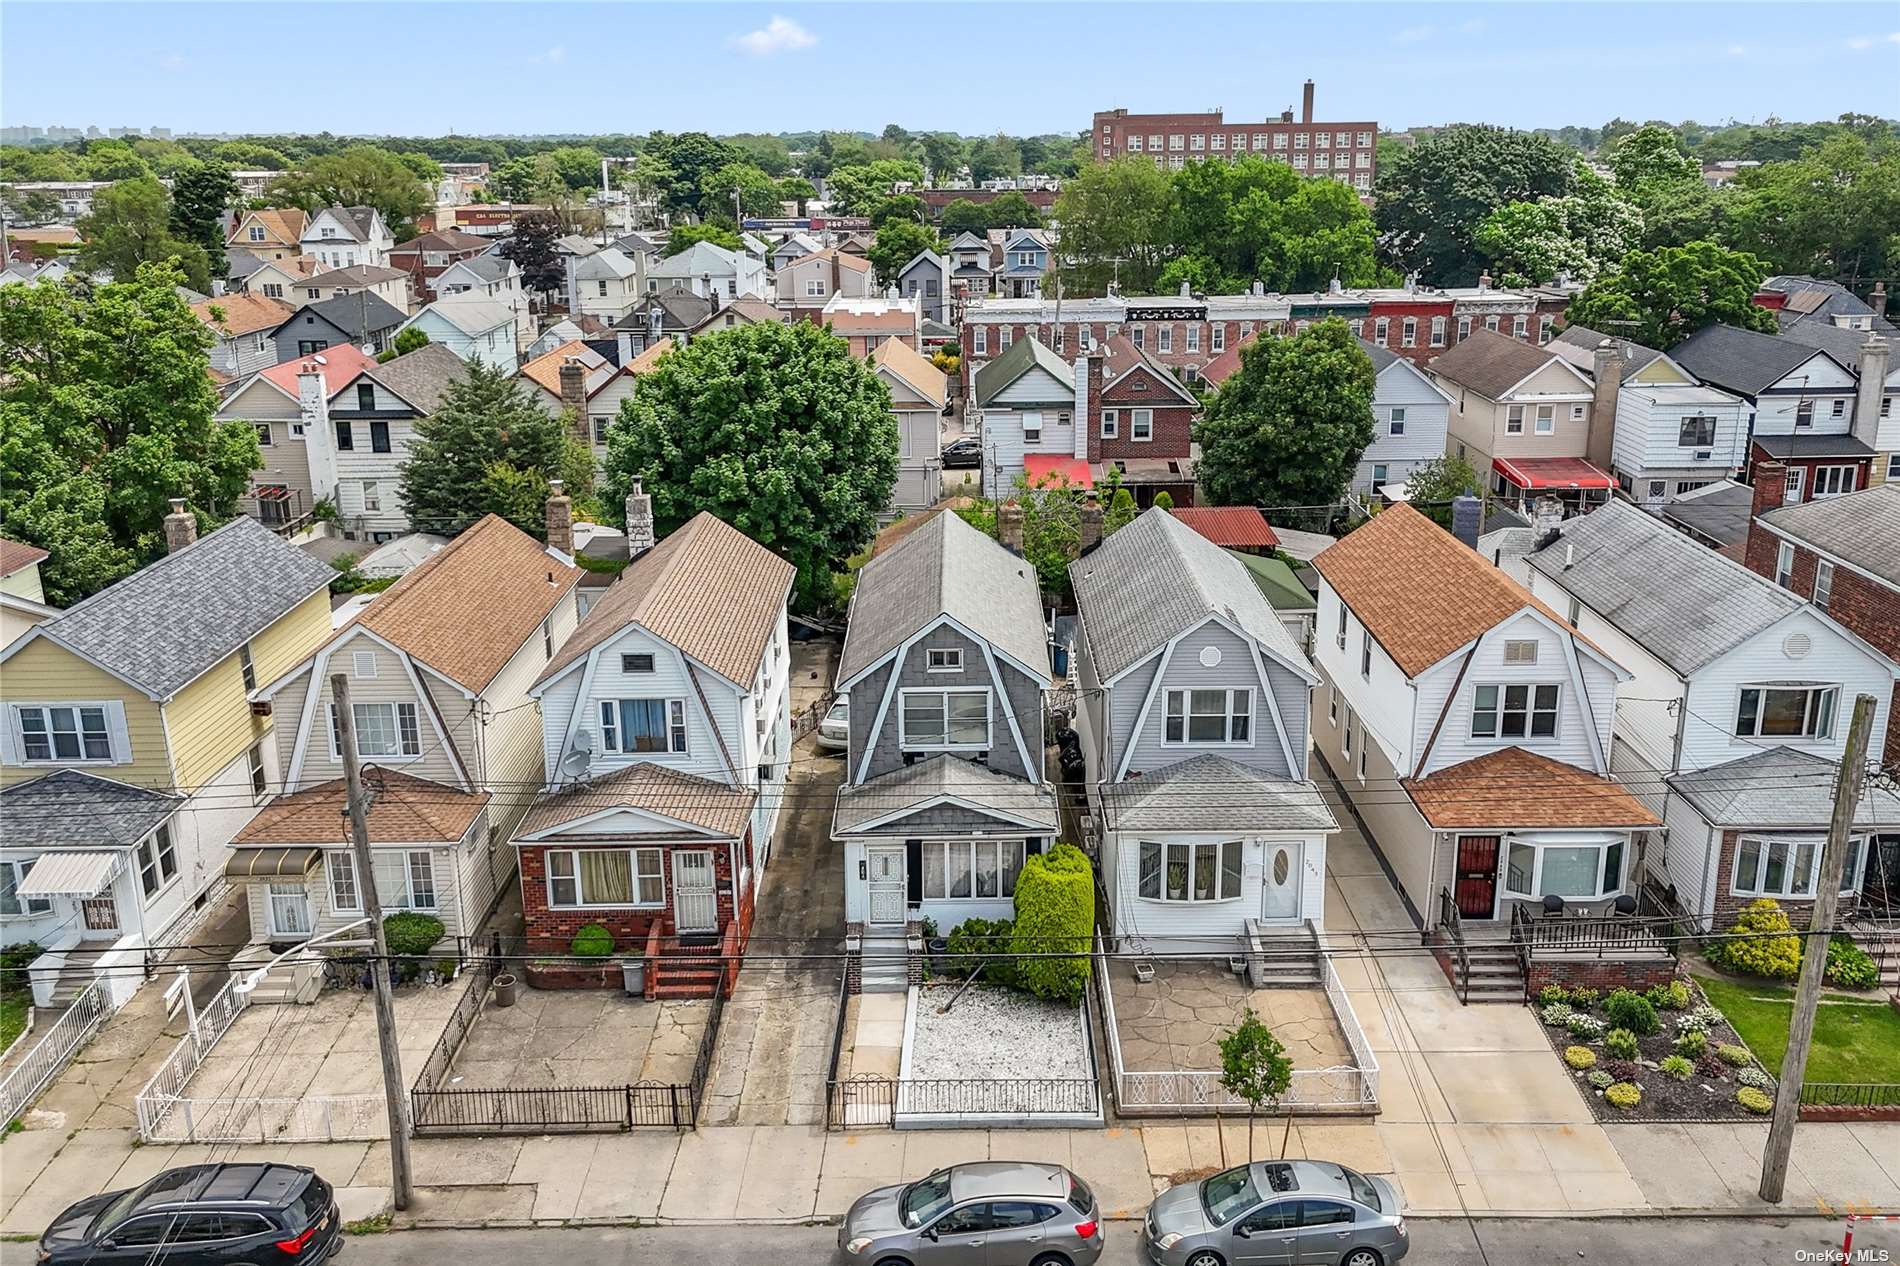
(1576, 867)
(1798, 712)
(1789, 865)
(1189, 873)
(643, 725)
(405, 880)
(581, 877)
(1209, 716)
(945, 720)
(980, 870)
(1514, 712)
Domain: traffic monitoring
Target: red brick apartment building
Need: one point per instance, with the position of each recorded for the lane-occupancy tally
(1344, 151)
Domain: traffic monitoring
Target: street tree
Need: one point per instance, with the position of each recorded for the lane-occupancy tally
(1011, 210)
(686, 234)
(897, 243)
(1114, 219)
(757, 192)
(1254, 1066)
(691, 157)
(532, 248)
(1659, 298)
(857, 189)
(362, 175)
(962, 215)
(201, 194)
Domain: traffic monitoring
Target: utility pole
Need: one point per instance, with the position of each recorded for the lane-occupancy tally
(393, 1092)
(1807, 998)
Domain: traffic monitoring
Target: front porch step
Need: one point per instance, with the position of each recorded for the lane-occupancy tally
(1492, 973)
(886, 965)
(1283, 957)
(681, 976)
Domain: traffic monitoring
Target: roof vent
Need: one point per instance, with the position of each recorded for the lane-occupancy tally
(1796, 645)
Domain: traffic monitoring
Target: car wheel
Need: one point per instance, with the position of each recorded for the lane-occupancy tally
(1206, 1257)
(892, 1261)
(1050, 1259)
(1362, 1257)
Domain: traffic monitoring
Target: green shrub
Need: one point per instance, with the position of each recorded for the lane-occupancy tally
(14, 960)
(1734, 1056)
(1552, 996)
(592, 941)
(1586, 1027)
(1677, 1067)
(1692, 1043)
(1622, 1069)
(1055, 913)
(1599, 1078)
(1848, 965)
(975, 940)
(1755, 1101)
(1627, 1010)
(1620, 1044)
(1673, 996)
(1754, 946)
(1754, 1076)
(1583, 997)
(1580, 1057)
(1623, 1095)
(410, 934)
(1556, 1014)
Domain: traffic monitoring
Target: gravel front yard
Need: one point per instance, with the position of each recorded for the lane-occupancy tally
(996, 1034)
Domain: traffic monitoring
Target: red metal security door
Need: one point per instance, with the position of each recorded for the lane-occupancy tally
(1476, 887)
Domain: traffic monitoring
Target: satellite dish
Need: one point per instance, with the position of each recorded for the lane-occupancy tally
(319, 359)
(579, 755)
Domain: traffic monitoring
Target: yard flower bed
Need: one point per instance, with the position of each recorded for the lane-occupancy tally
(1664, 1055)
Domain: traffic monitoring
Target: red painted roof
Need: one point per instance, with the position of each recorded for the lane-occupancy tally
(1537, 473)
(1233, 527)
(1041, 467)
(340, 364)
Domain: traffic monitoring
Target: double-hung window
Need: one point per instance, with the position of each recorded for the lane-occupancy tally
(1209, 716)
(158, 860)
(975, 870)
(1379, 328)
(1696, 432)
(378, 436)
(383, 730)
(953, 719)
(1339, 634)
(1438, 331)
(12, 875)
(1546, 419)
(1032, 428)
(643, 725)
(1514, 420)
(1189, 872)
(1365, 653)
(64, 733)
(1789, 866)
(1193, 337)
(1823, 582)
(1514, 711)
(1164, 339)
(405, 880)
(1111, 423)
(1408, 332)
(1791, 712)
(1784, 565)
(1464, 328)
(1398, 421)
(581, 877)
(1141, 425)
(1217, 337)
(980, 341)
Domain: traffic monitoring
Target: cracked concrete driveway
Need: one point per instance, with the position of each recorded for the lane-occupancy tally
(587, 1037)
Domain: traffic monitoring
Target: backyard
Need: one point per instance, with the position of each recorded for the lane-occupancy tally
(1856, 1039)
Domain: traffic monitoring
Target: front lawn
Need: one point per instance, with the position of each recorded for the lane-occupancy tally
(13, 1009)
(1855, 1040)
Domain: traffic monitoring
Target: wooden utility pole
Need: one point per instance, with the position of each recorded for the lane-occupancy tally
(394, 1094)
(1807, 997)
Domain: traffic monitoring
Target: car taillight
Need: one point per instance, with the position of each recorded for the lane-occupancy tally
(298, 1245)
(1086, 1229)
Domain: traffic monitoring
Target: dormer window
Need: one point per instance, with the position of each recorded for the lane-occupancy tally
(1209, 716)
(1514, 712)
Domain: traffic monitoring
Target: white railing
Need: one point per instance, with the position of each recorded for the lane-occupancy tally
(315, 1119)
(55, 1050)
(167, 1086)
(1355, 1036)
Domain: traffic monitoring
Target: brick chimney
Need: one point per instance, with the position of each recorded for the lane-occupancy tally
(1467, 515)
(181, 527)
(1771, 486)
(1878, 300)
(1607, 369)
(560, 517)
(1306, 102)
(639, 520)
(574, 398)
(1009, 526)
(1091, 525)
(1872, 389)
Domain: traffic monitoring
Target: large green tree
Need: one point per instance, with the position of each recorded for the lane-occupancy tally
(1433, 195)
(857, 189)
(1116, 211)
(1659, 298)
(531, 247)
(130, 225)
(778, 430)
(201, 194)
(690, 157)
(1577, 235)
(1011, 210)
(488, 448)
(962, 215)
(105, 413)
(1289, 426)
(897, 243)
(757, 192)
(1833, 212)
(686, 234)
(360, 176)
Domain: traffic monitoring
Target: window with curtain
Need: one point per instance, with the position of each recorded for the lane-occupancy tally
(1188, 872)
(981, 870)
(605, 877)
(643, 725)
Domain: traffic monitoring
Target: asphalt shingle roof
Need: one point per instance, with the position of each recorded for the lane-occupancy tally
(1779, 787)
(1740, 360)
(1859, 529)
(73, 807)
(423, 376)
(1578, 346)
(1023, 354)
(1490, 363)
(1212, 793)
(357, 314)
(404, 810)
(911, 787)
(712, 806)
(1515, 788)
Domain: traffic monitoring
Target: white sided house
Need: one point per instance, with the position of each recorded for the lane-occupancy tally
(1024, 405)
(1410, 417)
(343, 237)
(474, 327)
(1193, 708)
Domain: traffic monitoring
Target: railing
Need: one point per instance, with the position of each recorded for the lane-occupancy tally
(1451, 924)
(702, 1062)
(1521, 941)
(1850, 1094)
(480, 968)
(314, 1119)
(1355, 1036)
(552, 1109)
(1600, 938)
(872, 1100)
(50, 1055)
(166, 1090)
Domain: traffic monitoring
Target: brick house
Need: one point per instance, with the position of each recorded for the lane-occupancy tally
(1137, 419)
(429, 255)
(1347, 152)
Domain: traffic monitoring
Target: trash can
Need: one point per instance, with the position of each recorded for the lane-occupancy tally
(505, 986)
(633, 975)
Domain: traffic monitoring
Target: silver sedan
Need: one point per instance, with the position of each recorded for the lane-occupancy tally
(988, 1213)
(834, 732)
(1277, 1213)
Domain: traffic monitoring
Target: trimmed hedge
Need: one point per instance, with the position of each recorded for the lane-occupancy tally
(592, 941)
(411, 934)
(1055, 912)
(1754, 946)
(1848, 965)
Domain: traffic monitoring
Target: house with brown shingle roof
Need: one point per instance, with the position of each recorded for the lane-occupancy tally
(918, 393)
(1470, 726)
(666, 734)
(274, 233)
(439, 667)
(243, 325)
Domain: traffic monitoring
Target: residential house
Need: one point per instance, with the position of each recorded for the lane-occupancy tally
(494, 277)
(566, 330)
(1800, 403)
(22, 597)
(1021, 259)
(343, 236)
(1024, 408)
(1294, 604)
(361, 320)
(578, 378)
(274, 234)
(283, 492)
(864, 323)
(791, 247)
(1671, 434)
(706, 270)
(1800, 301)
(365, 436)
(665, 316)
(424, 257)
(1840, 555)
(1410, 421)
(273, 279)
(129, 751)
(1192, 707)
(1733, 723)
(1876, 387)
(1717, 515)
(919, 391)
(1470, 728)
(1137, 420)
(445, 728)
(1522, 417)
(806, 284)
(242, 326)
(474, 327)
(666, 737)
(926, 278)
(605, 284)
(737, 313)
(944, 668)
(391, 285)
(972, 275)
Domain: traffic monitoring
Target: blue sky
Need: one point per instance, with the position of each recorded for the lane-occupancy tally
(526, 68)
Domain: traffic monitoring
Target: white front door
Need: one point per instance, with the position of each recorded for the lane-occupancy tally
(1280, 884)
(289, 911)
(1791, 492)
(886, 868)
(695, 900)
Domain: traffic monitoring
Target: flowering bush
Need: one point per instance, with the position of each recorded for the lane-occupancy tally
(1692, 1043)
(1673, 996)
(1848, 965)
(1586, 1028)
(1580, 1057)
(1556, 1014)
(1583, 997)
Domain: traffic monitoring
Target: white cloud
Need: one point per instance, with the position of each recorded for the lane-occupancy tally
(1413, 34)
(553, 57)
(1860, 42)
(780, 35)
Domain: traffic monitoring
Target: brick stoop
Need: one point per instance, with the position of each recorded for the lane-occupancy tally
(684, 973)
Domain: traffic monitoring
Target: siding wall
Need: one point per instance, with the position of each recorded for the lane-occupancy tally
(1020, 696)
(1162, 926)
(1399, 833)
(44, 673)
(1427, 418)
(1236, 669)
(390, 683)
(1647, 431)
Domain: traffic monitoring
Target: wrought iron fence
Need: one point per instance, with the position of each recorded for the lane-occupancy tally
(552, 1109)
(1604, 938)
(702, 1062)
(1850, 1094)
(54, 1050)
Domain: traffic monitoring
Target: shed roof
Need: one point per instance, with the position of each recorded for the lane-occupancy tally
(1779, 787)
(76, 808)
(402, 810)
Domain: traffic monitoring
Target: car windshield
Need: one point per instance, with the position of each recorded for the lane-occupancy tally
(840, 711)
(1227, 1196)
(924, 1199)
(1362, 1189)
(163, 1186)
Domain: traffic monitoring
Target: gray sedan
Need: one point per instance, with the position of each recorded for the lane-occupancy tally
(1277, 1213)
(989, 1213)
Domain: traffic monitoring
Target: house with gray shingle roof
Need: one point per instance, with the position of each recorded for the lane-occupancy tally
(1727, 666)
(944, 667)
(1192, 707)
(1024, 402)
(341, 237)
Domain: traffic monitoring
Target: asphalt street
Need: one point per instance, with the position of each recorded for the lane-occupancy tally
(1436, 1242)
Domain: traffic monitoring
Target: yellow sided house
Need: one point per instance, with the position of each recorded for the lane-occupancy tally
(130, 754)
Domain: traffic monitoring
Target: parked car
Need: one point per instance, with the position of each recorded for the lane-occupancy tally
(989, 1213)
(966, 451)
(203, 1215)
(1277, 1211)
(834, 732)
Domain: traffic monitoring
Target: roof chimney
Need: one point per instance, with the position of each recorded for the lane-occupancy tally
(1466, 512)
(1878, 299)
(639, 520)
(181, 527)
(1606, 389)
(1872, 388)
(560, 518)
(1187, 290)
(712, 291)
(1306, 102)
(574, 384)
(1484, 282)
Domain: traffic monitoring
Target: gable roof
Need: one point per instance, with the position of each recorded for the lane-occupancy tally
(164, 625)
(1679, 600)
(1023, 355)
(1812, 301)
(1837, 341)
(76, 806)
(910, 366)
(449, 239)
(1491, 364)
(1123, 358)
(607, 262)
(490, 267)
(286, 224)
(708, 588)
(1224, 366)
(945, 567)
(1278, 581)
(652, 788)
(1157, 578)
(681, 309)
(1515, 788)
(421, 377)
(357, 221)
(18, 556)
(1577, 345)
(1859, 529)
(544, 371)
(356, 275)
(1741, 360)
(990, 794)
(357, 315)
(468, 312)
(846, 260)
(337, 365)
(700, 257)
(243, 314)
(747, 309)
(1421, 590)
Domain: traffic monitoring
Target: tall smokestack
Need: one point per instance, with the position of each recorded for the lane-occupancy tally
(1306, 102)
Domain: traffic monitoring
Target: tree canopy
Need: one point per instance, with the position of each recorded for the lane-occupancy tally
(856, 190)
(757, 192)
(778, 430)
(897, 243)
(531, 247)
(201, 194)
(686, 234)
(360, 176)
(1659, 298)
(130, 225)
(1575, 235)
(690, 157)
(1432, 196)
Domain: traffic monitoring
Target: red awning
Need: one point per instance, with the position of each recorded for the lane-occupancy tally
(1538, 474)
(1055, 469)
(1231, 527)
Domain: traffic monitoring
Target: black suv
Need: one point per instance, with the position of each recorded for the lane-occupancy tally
(203, 1215)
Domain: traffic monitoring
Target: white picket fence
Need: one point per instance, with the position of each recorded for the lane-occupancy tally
(50, 1055)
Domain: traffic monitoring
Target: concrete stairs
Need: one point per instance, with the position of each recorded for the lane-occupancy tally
(886, 967)
(686, 972)
(76, 974)
(1283, 957)
(294, 981)
(1494, 974)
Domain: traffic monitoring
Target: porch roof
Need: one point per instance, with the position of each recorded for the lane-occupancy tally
(1513, 789)
(1780, 787)
(403, 810)
(1538, 474)
(650, 788)
(973, 796)
(74, 807)
(70, 874)
(271, 863)
(1213, 793)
